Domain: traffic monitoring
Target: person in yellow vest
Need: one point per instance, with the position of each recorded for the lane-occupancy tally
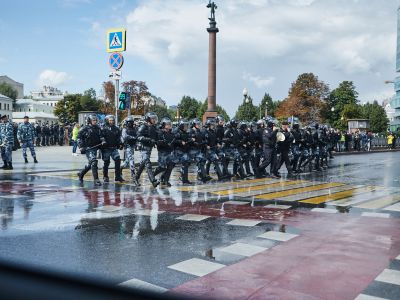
(390, 139)
(75, 132)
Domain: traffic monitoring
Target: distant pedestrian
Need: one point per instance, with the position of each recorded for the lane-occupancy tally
(75, 132)
(390, 139)
(26, 137)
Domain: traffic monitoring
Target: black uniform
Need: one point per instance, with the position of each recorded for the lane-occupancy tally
(269, 151)
(147, 136)
(113, 142)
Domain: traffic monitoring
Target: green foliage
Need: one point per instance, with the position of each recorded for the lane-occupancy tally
(202, 109)
(188, 107)
(268, 104)
(7, 90)
(67, 109)
(377, 117)
(344, 94)
(88, 100)
(247, 111)
(163, 112)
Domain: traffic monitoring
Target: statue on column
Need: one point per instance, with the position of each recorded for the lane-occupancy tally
(213, 7)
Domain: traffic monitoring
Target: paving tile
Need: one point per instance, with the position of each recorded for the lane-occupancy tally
(240, 222)
(367, 297)
(196, 266)
(143, 285)
(108, 208)
(375, 215)
(243, 249)
(394, 207)
(236, 202)
(277, 206)
(278, 236)
(325, 210)
(389, 276)
(192, 217)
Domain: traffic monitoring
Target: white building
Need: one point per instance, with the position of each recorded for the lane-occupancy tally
(48, 96)
(19, 87)
(6, 106)
(36, 111)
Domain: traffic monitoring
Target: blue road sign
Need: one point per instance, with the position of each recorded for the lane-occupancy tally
(116, 40)
(116, 61)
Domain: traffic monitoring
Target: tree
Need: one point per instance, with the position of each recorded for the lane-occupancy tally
(88, 100)
(188, 107)
(376, 115)
(139, 92)
(203, 108)
(8, 90)
(306, 100)
(162, 112)
(344, 94)
(247, 111)
(268, 104)
(67, 109)
(109, 91)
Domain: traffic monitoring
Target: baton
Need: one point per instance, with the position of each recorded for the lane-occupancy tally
(94, 146)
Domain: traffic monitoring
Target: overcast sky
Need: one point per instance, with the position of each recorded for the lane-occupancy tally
(262, 45)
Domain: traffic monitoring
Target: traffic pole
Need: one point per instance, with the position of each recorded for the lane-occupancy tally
(116, 100)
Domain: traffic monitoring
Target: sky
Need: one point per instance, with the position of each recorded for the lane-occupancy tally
(262, 45)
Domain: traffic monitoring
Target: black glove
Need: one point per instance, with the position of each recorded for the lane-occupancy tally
(83, 150)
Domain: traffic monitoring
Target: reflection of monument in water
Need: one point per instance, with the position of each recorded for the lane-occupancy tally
(395, 102)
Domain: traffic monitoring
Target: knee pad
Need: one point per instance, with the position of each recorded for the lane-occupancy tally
(93, 163)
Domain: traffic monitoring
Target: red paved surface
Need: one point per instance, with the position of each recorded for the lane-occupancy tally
(335, 257)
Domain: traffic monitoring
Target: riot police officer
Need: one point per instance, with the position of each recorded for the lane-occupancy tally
(245, 146)
(113, 142)
(181, 144)
(212, 148)
(283, 148)
(298, 140)
(269, 150)
(232, 142)
(196, 149)
(166, 157)
(26, 137)
(147, 136)
(7, 142)
(220, 131)
(129, 138)
(89, 141)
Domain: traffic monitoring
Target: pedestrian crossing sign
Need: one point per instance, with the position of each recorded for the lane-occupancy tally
(116, 40)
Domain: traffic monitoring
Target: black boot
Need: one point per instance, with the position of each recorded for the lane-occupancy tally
(208, 164)
(95, 173)
(105, 171)
(158, 170)
(167, 175)
(185, 175)
(134, 179)
(218, 171)
(9, 166)
(26, 160)
(35, 160)
(82, 173)
(118, 171)
(4, 166)
(139, 171)
(152, 178)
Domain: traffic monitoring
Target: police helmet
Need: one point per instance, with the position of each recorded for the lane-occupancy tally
(296, 126)
(233, 123)
(129, 121)
(91, 118)
(165, 121)
(151, 117)
(219, 118)
(108, 118)
(243, 125)
(210, 123)
(195, 122)
(183, 125)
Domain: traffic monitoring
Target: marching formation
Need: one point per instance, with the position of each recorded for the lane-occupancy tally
(250, 147)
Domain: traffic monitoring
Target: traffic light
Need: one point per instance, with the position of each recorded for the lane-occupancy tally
(123, 96)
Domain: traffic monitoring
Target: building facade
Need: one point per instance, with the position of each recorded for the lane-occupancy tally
(36, 111)
(48, 96)
(6, 106)
(395, 102)
(19, 87)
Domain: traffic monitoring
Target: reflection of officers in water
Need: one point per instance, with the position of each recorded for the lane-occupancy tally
(7, 212)
(89, 141)
(113, 143)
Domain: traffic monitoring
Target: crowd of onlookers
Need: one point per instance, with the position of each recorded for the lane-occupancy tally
(363, 141)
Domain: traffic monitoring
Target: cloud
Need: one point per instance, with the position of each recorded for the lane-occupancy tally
(336, 39)
(52, 78)
(259, 81)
